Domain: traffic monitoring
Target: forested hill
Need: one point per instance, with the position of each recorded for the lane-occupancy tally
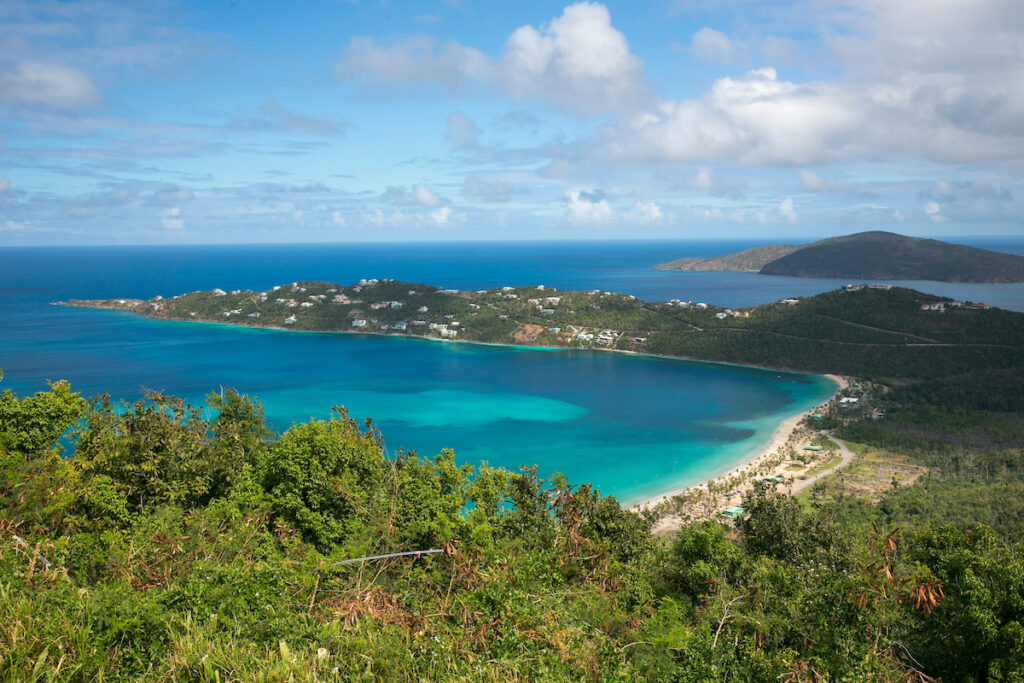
(877, 332)
(887, 256)
(753, 259)
(869, 255)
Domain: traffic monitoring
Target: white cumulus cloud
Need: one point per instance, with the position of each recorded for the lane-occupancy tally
(578, 61)
(646, 212)
(441, 216)
(424, 196)
(587, 208)
(787, 211)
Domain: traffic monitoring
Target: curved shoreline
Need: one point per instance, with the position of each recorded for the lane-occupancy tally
(780, 436)
(413, 337)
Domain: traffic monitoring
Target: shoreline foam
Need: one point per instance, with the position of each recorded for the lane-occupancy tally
(779, 438)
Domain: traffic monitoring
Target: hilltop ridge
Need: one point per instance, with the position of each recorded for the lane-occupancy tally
(875, 255)
(753, 259)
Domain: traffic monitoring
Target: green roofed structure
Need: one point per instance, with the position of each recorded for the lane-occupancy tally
(732, 512)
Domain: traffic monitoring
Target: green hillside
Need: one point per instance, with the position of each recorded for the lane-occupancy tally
(880, 333)
(887, 256)
(752, 259)
(868, 256)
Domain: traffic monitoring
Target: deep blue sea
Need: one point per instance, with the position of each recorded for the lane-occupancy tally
(634, 426)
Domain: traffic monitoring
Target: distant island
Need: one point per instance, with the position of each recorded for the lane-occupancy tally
(868, 255)
(871, 331)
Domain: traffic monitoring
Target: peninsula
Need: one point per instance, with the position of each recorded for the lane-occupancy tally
(868, 255)
(875, 331)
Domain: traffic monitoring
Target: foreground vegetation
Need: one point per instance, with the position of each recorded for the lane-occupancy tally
(184, 544)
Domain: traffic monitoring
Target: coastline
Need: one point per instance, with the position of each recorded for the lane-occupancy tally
(782, 435)
(414, 337)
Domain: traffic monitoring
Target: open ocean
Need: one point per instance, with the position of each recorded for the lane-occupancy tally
(634, 426)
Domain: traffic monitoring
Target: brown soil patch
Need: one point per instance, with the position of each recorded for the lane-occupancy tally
(526, 333)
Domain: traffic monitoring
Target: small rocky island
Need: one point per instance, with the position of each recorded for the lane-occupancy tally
(850, 331)
(868, 255)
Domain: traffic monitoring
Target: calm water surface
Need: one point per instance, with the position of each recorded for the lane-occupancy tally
(634, 426)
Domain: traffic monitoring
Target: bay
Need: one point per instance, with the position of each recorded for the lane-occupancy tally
(634, 426)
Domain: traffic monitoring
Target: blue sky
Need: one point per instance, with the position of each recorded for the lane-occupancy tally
(235, 122)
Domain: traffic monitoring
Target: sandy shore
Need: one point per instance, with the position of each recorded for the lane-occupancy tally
(782, 435)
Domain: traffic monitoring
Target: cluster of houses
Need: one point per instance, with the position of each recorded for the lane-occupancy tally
(446, 331)
(722, 315)
(858, 287)
(941, 306)
(700, 306)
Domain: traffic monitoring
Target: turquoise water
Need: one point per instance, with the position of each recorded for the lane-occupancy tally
(634, 426)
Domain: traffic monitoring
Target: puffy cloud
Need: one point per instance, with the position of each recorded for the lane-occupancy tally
(646, 212)
(578, 61)
(914, 81)
(462, 133)
(934, 212)
(37, 84)
(424, 196)
(5, 186)
(755, 118)
(171, 219)
(440, 216)
(712, 46)
(786, 211)
(338, 219)
(585, 208)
